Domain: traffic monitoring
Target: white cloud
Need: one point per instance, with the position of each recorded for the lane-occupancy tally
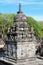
(26, 3)
(38, 18)
(8, 1)
(21, 1)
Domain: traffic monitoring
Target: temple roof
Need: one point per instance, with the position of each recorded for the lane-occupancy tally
(20, 10)
(20, 15)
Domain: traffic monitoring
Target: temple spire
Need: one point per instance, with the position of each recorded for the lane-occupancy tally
(19, 8)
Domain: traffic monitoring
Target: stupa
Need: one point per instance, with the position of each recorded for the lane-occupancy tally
(20, 43)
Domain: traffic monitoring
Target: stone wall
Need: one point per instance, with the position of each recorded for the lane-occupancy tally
(11, 50)
(25, 50)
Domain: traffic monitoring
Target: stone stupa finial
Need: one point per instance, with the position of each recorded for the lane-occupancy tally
(19, 8)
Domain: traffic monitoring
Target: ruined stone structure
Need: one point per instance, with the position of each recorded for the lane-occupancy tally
(1, 33)
(40, 48)
(1, 39)
(20, 43)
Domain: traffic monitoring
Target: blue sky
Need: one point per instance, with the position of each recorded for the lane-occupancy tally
(32, 8)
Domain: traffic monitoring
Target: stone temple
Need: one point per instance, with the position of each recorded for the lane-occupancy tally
(20, 42)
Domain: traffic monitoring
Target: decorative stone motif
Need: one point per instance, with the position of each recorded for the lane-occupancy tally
(20, 42)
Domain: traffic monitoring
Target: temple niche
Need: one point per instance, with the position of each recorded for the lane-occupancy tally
(20, 42)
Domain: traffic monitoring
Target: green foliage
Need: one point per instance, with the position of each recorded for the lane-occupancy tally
(41, 25)
(35, 25)
(6, 20)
